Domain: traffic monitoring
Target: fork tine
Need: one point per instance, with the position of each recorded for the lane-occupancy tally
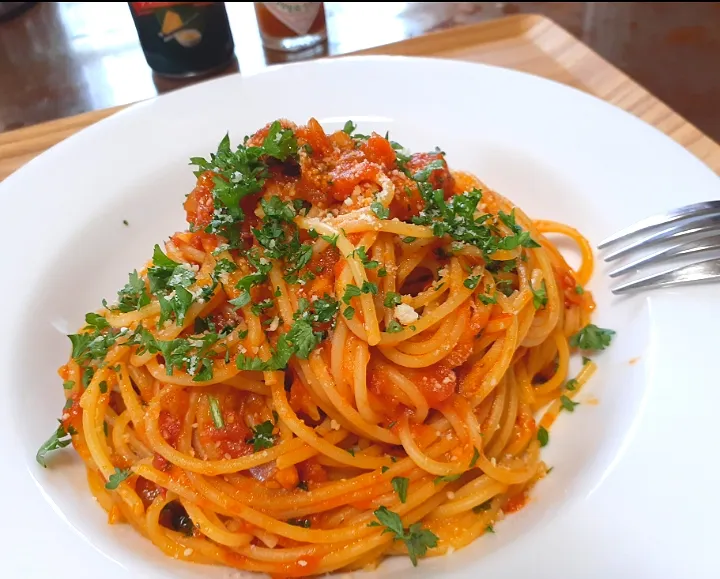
(686, 212)
(678, 230)
(679, 250)
(702, 271)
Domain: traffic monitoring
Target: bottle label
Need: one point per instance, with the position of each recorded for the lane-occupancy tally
(297, 16)
(183, 38)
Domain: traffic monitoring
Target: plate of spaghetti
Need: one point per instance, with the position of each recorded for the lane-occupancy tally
(343, 332)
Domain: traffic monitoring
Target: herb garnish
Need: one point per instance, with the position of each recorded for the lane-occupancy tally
(262, 436)
(416, 539)
(592, 338)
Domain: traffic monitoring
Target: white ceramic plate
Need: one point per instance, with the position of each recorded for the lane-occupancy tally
(633, 493)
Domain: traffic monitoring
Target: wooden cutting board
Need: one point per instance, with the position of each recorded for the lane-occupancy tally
(528, 43)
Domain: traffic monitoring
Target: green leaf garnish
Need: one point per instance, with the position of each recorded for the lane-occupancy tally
(543, 436)
(400, 485)
(116, 478)
(262, 436)
(215, 412)
(59, 439)
(416, 539)
(568, 404)
(592, 338)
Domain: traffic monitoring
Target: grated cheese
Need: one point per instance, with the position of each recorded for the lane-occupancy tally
(405, 314)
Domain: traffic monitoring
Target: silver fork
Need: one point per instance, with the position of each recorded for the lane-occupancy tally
(686, 232)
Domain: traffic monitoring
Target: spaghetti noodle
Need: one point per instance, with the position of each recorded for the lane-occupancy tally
(341, 359)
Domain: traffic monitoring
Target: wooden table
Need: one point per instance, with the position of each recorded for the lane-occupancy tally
(523, 42)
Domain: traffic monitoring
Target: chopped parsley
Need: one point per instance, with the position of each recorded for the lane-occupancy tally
(363, 256)
(543, 436)
(349, 127)
(351, 291)
(487, 300)
(133, 296)
(456, 218)
(224, 266)
(280, 237)
(400, 485)
(193, 353)
(331, 239)
(540, 297)
(69, 384)
(392, 299)
(116, 478)
(482, 507)
(472, 282)
(592, 338)
(369, 287)
(260, 307)
(59, 439)
(325, 309)
(447, 478)
(262, 269)
(349, 312)
(169, 281)
(87, 376)
(409, 239)
(394, 327)
(416, 539)
(240, 173)
(304, 523)
(215, 412)
(280, 143)
(568, 404)
(299, 341)
(579, 290)
(571, 384)
(262, 437)
(380, 210)
(241, 301)
(94, 345)
(475, 457)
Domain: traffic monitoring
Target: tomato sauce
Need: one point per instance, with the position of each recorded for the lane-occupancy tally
(172, 416)
(199, 204)
(515, 503)
(311, 472)
(322, 266)
(436, 383)
(301, 401)
(147, 490)
(72, 416)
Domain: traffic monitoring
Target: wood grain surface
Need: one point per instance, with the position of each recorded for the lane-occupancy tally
(523, 42)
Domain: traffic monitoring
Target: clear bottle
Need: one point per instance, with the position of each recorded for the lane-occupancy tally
(291, 26)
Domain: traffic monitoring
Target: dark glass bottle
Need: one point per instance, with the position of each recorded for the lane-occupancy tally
(181, 39)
